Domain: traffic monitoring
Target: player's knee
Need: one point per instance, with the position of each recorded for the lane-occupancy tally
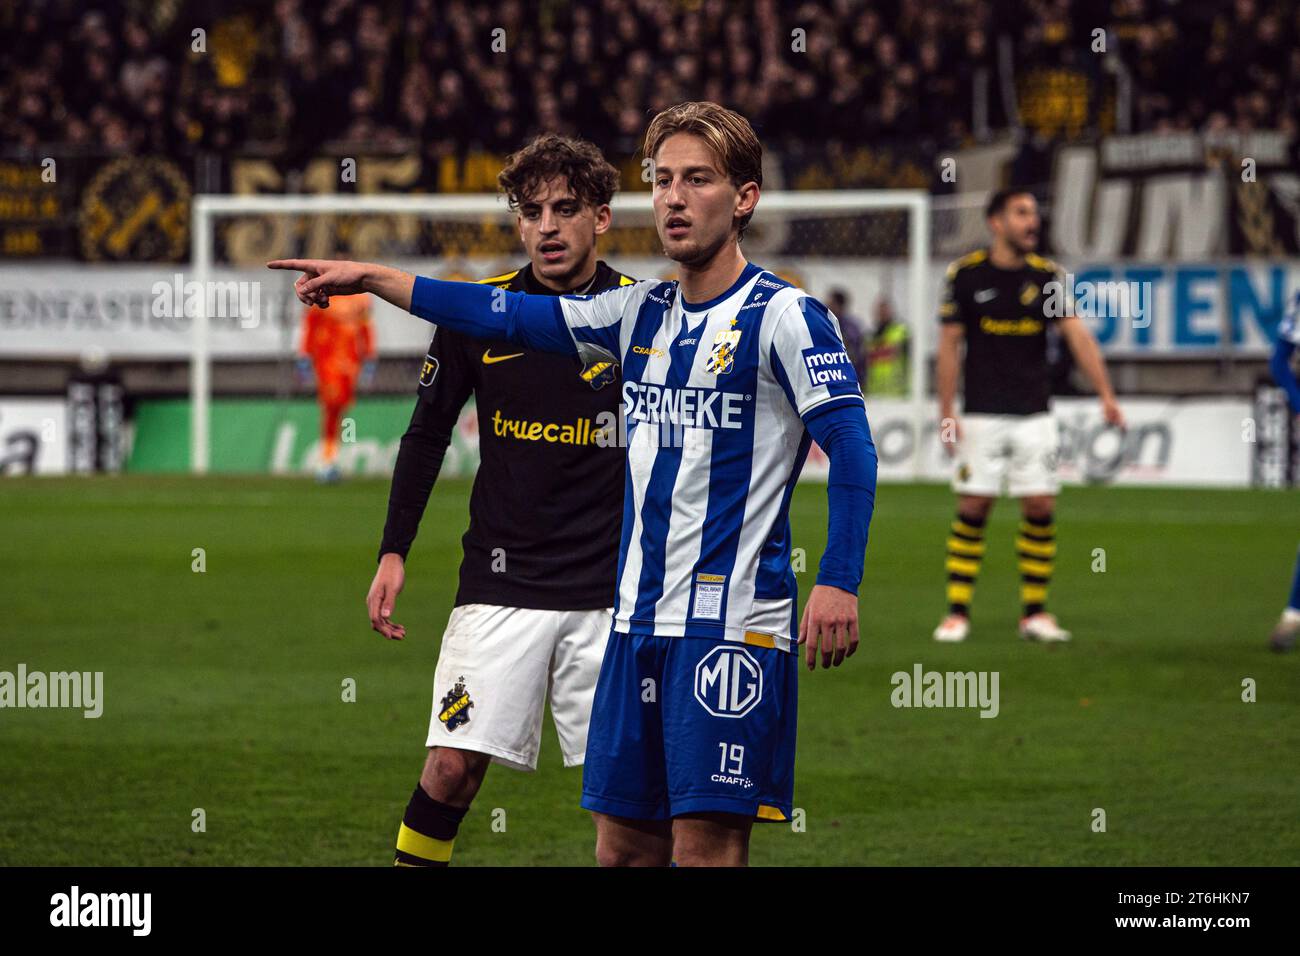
(971, 507)
(452, 776)
(620, 853)
(1039, 507)
(611, 854)
(700, 853)
(631, 845)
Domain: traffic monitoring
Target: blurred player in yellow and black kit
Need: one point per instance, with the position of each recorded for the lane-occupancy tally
(536, 592)
(1000, 301)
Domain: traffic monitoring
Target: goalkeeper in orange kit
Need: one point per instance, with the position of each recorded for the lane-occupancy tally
(338, 348)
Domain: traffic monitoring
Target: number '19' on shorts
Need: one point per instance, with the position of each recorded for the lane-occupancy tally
(690, 725)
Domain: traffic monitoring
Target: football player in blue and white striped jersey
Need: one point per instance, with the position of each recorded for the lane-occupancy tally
(1283, 366)
(729, 374)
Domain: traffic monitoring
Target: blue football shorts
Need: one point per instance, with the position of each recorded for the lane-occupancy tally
(690, 725)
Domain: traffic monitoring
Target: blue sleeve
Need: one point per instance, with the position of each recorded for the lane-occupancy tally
(1280, 366)
(843, 433)
(486, 312)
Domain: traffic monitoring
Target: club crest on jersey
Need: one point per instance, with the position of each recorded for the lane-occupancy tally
(429, 371)
(722, 357)
(1029, 293)
(599, 374)
(455, 706)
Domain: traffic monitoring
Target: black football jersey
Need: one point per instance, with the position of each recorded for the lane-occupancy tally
(546, 509)
(1007, 315)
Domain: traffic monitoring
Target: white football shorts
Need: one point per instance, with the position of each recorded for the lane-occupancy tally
(495, 670)
(1018, 451)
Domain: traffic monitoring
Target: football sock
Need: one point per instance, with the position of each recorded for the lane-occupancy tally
(965, 551)
(331, 417)
(1036, 546)
(427, 832)
(1294, 602)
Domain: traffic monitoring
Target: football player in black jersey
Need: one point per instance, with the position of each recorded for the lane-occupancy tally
(532, 613)
(1000, 302)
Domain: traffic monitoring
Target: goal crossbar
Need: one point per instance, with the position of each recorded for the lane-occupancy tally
(206, 209)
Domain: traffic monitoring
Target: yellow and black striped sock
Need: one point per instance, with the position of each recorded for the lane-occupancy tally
(965, 551)
(427, 832)
(1036, 547)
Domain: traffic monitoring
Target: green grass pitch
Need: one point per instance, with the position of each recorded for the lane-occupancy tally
(223, 689)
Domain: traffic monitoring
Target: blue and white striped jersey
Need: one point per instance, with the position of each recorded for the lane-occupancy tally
(1289, 328)
(715, 396)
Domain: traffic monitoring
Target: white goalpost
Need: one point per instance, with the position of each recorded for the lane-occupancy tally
(776, 208)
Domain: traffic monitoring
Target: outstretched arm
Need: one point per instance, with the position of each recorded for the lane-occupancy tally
(479, 311)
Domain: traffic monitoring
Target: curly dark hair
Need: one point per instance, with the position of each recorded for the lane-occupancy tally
(592, 179)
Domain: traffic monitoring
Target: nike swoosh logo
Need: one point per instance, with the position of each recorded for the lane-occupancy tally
(490, 359)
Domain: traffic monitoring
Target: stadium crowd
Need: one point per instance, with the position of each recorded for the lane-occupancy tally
(129, 77)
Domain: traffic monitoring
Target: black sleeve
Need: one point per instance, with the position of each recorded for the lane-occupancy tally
(446, 381)
(950, 304)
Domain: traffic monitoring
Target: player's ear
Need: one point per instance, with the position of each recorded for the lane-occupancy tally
(746, 199)
(603, 219)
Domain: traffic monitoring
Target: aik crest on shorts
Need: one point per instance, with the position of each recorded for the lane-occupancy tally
(455, 706)
(722, 357)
